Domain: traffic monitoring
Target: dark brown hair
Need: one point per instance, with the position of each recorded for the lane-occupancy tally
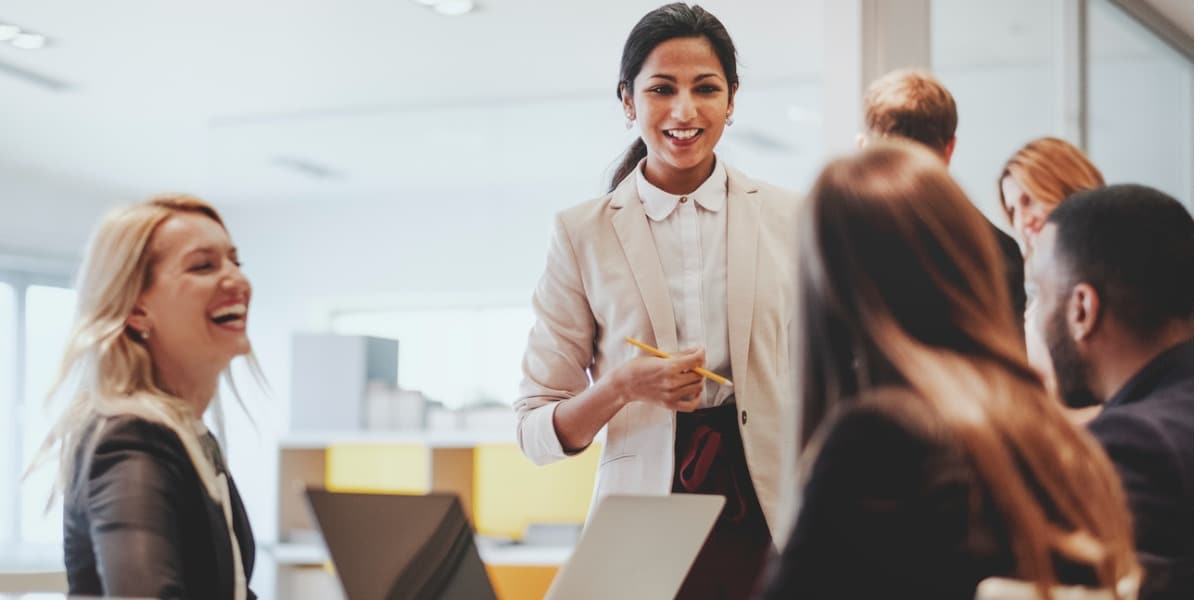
(1145, 280)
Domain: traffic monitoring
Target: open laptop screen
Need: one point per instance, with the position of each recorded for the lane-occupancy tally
(397, 546)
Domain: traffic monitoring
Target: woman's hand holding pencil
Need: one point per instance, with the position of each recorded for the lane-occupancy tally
(672, 382)
(698, 370)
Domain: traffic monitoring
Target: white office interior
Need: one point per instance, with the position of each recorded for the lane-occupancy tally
(390, 170)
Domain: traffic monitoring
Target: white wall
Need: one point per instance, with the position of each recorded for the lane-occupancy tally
(301, 259)
(1141, 123)
(49, 215)
(997, 114)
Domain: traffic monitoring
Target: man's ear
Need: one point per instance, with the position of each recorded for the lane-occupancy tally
(950, 149)
(1083, 311)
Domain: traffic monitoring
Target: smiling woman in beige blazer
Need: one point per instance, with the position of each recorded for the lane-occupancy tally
(689, 255)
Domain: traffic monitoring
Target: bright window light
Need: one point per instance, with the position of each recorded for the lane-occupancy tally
(48, 320)
(29, 41)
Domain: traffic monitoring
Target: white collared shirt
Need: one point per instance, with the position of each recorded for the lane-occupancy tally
(690, 234)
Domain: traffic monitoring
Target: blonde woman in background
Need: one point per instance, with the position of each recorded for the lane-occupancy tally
(150, 509)
(1032, 183)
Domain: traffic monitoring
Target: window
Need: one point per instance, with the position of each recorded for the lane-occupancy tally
(48, 311)
(999, 60)
(1139, 100)
(9, 387)
(458, 356)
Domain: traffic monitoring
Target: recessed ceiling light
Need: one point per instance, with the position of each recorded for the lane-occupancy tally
(28, 41)
(8, 32)
(454, 8)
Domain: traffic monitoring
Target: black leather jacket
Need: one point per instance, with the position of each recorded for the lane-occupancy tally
(141, 523)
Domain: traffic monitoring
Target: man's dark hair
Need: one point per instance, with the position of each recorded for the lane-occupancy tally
(1134, 245)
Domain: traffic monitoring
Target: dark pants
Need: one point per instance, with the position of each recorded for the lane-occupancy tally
(709, 459)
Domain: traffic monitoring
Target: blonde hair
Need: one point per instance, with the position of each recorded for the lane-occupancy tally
(108, 359)
(1049, 169)
(914, 105)
(922, 306)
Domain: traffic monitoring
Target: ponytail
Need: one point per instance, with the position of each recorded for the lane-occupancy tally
(633, 156)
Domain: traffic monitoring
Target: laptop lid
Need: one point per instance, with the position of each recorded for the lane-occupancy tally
(389, 546)
(637, 547)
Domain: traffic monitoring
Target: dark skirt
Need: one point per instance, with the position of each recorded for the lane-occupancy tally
(709, 459)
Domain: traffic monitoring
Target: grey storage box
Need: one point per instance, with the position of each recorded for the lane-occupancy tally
(330, 373)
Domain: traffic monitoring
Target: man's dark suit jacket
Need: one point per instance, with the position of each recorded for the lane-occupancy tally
(141, 523)
(1146, 428)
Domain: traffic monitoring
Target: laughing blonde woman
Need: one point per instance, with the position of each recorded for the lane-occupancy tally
(150, 509)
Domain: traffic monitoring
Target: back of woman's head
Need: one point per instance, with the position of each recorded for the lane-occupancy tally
(1049, 169)
(106, 362)
(899, 243)
(902, 285)
(668, 22)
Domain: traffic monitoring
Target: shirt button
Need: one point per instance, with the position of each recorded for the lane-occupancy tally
(743, 417)
(683, 200)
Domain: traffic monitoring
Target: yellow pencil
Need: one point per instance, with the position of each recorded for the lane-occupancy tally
(661, 354)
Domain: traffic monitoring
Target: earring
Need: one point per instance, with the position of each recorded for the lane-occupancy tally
(628, 121)
(729, 121)
(145, 335)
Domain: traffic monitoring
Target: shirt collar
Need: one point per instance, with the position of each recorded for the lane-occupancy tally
(659, 204)
(1172, 364)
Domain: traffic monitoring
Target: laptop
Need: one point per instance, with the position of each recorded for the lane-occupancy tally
(389, 546)
(637, 547)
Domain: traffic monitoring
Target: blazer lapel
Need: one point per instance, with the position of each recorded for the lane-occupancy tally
(633, 231)
(222, 544)
(241, 528)
(741, 268)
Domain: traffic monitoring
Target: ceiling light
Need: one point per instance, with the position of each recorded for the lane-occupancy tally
(454, 8)
(8, 32)
(29, 41)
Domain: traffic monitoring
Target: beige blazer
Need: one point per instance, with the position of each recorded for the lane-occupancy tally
(603, 281)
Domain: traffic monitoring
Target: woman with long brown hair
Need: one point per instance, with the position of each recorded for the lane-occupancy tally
(934, 457)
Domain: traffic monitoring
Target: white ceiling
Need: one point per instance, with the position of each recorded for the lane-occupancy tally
(219, 98)
(386, 94)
